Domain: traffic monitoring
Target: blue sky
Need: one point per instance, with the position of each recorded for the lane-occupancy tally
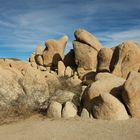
(26, 23)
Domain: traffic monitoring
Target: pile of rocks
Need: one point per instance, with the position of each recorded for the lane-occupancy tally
(90, 81)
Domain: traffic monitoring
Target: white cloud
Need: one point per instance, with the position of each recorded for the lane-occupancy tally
(114, 38)
(40, 22)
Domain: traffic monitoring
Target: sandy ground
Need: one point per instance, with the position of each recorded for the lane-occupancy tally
(71, 129)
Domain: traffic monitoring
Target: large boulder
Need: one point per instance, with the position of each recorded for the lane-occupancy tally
(69, 110)
(85, 57)
(131, 94)
(35, 87)
(104, 59)
(87, 38)
(107, 107)
(10, 88)
(125, 59)
(54, 110)
(54, 51)
(111, 85)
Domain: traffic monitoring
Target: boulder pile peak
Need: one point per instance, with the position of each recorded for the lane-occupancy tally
(90, 81)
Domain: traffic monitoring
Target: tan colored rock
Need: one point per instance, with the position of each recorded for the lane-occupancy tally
(131, 94)
(86, 37)
(125, 59)
(54, 110)
(17, 65)
(49, 79)
(35, 87)
(85, 57)
(81, 72)
(10, 89)
(41, 68)
(73, 83)
(34, 65)
(111, 85)
(109, 108)
(69, 110)
(54, 51)
(62, 96)
(39, 50)
(104, 75)
(61, 68)
(68, 72)
(85, 113)
(39, 60)
(104, 59)
(32, 58)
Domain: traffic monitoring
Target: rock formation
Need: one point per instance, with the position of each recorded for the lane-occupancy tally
(54, 51)
(125, 59)
(90, 81)
(109, 108)
(104, 59)
(86, 48)
(131, 94)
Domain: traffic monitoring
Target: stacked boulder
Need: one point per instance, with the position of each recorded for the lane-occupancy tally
(86, 48)
(106, 73)
(89, 81)
(49, 57)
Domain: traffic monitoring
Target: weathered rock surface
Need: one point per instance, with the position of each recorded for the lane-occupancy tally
(69, 110)
(54, 110)
(85, 113)
(54, 51)
(52, 80)
(41, 68)
(87, 38)
(105, 75)
(61, 68)
(85, 57)
(10, 89)
(125, 59)
(111, 85)
(35, 88)
(68, 72)
(56, 82)
(39, 60)
(104, 59)
(39, 50)
(32, 58)
(131, 94)
(62, 96)
(107, 107)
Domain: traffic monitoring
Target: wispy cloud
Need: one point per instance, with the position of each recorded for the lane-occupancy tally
(111, 39)
(24, 24)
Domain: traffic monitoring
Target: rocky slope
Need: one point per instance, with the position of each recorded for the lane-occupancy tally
(89, 81)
